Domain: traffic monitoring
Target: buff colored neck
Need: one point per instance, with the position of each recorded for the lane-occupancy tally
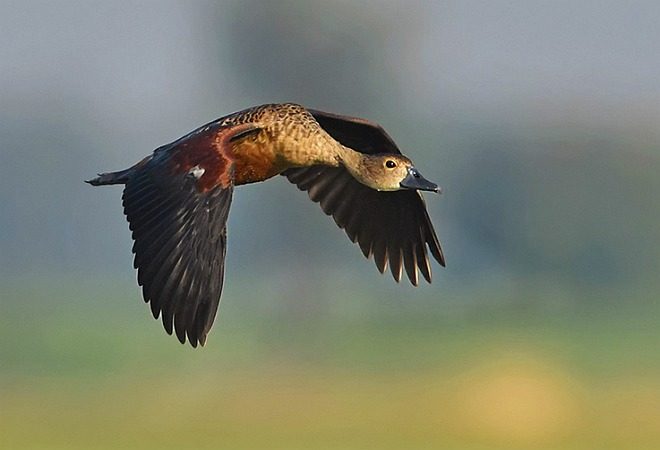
(356, 163)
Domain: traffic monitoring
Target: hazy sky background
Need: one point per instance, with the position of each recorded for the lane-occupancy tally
(538, 118)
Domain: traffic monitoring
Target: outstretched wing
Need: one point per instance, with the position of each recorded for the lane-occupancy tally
(394, 227)
(361, 135)
(177, 205)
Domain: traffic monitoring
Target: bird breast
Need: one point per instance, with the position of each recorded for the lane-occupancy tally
(274, 149)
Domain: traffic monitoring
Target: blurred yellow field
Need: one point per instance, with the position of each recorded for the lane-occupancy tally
(544, 381)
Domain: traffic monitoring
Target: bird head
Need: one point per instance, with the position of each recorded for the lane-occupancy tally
(392, 172)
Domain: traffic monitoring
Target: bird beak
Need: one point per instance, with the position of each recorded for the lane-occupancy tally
(415, 180)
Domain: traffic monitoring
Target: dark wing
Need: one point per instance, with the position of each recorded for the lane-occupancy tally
(177, 205)
(359, 134)
(394, 227)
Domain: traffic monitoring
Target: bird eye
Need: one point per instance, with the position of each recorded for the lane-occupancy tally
(390, 164)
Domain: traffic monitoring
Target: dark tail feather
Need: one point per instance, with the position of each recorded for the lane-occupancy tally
(119, 177)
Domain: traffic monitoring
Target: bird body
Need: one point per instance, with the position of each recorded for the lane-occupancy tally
(177, 201)
(287, 137)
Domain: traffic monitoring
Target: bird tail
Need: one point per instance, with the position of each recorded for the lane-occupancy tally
(119, 177)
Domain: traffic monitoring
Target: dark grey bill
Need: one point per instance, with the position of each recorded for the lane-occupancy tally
(415, 180)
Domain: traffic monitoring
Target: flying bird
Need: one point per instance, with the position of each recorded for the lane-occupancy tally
(177, 201)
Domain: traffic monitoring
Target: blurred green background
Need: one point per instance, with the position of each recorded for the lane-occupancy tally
(540, 121)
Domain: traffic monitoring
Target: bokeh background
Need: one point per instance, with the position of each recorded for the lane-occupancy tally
(538, 118)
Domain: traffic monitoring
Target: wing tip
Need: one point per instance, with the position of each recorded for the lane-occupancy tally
(441, 259)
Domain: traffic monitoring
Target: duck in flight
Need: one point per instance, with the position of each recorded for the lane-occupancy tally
(177, 201)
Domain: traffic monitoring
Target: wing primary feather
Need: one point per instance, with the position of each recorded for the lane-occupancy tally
(423, 257)
(365, 240)
(168, 270)
(170, 294)
(395, 263)
(434, 246)
(410, 263)
(179, 314)
(380, 255)
(191, 308)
